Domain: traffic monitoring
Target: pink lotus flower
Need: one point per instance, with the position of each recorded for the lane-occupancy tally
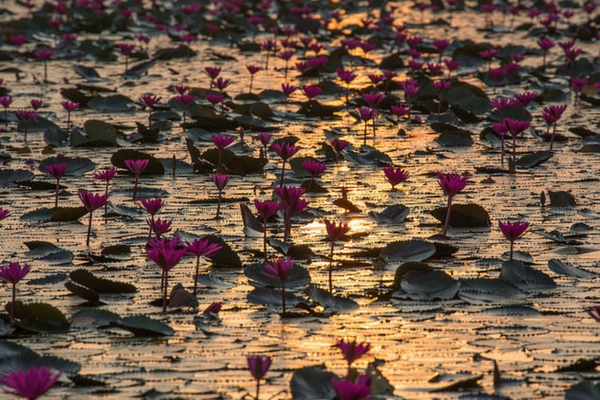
(264, 138)
(136, 167)
(335, 232)
(159, 226)
(31, 383)
(91, 202)
(200, 248)
(26, 115)
(552, 115)
(346, 389)
(13, 273)
(513, 231)
(284, 150)
(149, 101)
(338, 145)
(280, 269)
(213, 309)
(6, 101)
(220, 181)
(311, 91)
(166, 254)
(106, 176)
(4, 214)
(57, 171)
(266, 209)
(292, 205)
(451, 184)
(258, 366)
(352, 351)
(395, 176)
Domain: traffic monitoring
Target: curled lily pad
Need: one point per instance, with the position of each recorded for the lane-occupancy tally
(429, 285)
(535, 159)
(16, 357)
(93, 318)
(91, 296)
(225, 257)
(330, 301)
(155, 167)
(480, 290)
(66, 214)
(299, 276)
(252, 226)
(100, 285)
(395, 214)
(525, 277)
(407, 250)
(562, 268)
(464, 216)
(141, 325)
(454, 139)
(40, 318)
(311, 383)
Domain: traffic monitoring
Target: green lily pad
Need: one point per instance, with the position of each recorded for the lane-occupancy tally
(311, 383)
(429, 285)
(95, 134)
(76, 166)
(155, 167)
(407, 250)
(114, 103)
(40, 318)
(299, 276)
(330, 301)
(143, 326)
(464, 216)
(100, 285)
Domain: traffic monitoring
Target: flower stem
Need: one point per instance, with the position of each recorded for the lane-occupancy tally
(165, 292)
(447, 221)
(265, 239)
(282, 172)
(196, 275)
(331, 268)
(137, 177)
(56, 195)
(283, 295)
(512, 243)
(12, 304)
(257, 388)
(89, 232)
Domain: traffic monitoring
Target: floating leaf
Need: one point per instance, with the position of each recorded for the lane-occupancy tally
(330, 301)
(585, 390)
(213, 282)
(114, 103)
(100, 285)
(562, 268)
(524, 277)
(464, 216)
(92, 318)
(91, 296)
(143, 326)
(76, 166)
(297, 252)
(88, 73)
(454, 139)
(180, 297)
(10, 177)
(561, 199)
(67, 214)
(407, 250)
(49, 279)
(252, 226)
(535, 159)
(395, 214)
(46, 251)
(154, 167)
(429, 285)
(137, 70)
(261, 110)
(480, 290)
(408, 267)
(310, 383)
(39, 215)
(95, 134)
(271, 297)
(118, 252)
(299, 276)
(40, 318)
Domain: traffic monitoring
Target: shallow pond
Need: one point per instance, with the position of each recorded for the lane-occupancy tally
(424, 348)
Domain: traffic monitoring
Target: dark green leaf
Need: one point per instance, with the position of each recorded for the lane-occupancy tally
(100, 285)
(330, 301)
(407, 250)
(310, 383)
(40, 318)
(144, 326)
(464, 216)
(299, 276)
